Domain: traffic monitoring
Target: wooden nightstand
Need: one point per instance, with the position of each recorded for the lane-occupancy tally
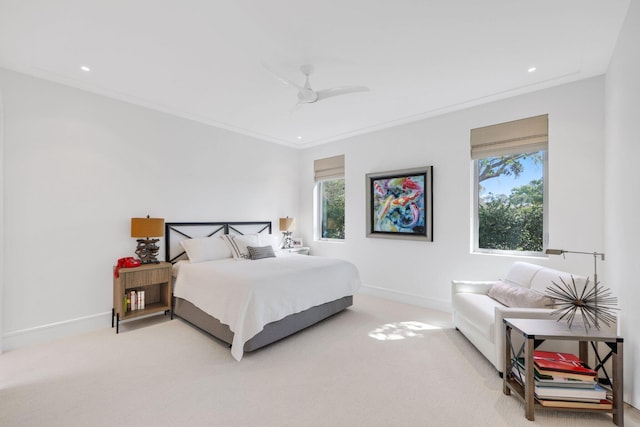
(153, 279)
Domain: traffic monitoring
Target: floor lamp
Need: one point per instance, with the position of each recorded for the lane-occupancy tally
(595, 273)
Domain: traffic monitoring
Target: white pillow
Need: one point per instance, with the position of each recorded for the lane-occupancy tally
(238, 244)
(273, 240)
(206, 249)
(519, 296)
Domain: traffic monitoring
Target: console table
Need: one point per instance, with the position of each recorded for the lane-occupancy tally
(536, 331)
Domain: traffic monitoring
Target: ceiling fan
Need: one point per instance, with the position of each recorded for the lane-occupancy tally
(306, 95)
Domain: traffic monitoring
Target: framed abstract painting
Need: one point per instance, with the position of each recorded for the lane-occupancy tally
(400, 204)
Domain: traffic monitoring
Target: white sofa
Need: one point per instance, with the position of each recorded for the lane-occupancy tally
(480, 317)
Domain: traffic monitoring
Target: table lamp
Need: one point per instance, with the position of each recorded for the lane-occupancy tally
(144, 229)
(287, 225)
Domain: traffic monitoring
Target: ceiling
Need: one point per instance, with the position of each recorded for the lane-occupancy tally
(207, 60)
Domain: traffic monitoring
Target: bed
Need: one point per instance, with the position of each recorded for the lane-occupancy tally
(246, 303)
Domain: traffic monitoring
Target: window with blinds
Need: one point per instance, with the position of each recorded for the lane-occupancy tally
(510, 169)
(330, 198)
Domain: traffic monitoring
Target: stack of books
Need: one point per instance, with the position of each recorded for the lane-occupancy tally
(562, 380)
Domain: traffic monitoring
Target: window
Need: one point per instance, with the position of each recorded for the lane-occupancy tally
(330, 198)
(331, 218)
(510, 169)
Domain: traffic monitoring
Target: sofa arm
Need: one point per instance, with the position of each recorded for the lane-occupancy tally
(467, 286)
(502, 313)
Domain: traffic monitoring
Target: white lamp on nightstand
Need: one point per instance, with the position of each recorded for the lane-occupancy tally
(287, 225)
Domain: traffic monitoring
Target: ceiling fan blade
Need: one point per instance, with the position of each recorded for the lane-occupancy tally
(343, 90)
(296, 107)
(280, 78)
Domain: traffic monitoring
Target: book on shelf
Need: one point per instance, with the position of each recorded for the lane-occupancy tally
(549, 361)
(561, 374)
(589, 392)
(546, 381)
(597, 393)
(557, 356)
(601, 404)
(553, 378)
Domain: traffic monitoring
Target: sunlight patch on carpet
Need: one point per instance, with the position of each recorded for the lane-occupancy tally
(400, 331)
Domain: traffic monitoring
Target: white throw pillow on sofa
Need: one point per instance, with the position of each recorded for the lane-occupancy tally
(518, 296)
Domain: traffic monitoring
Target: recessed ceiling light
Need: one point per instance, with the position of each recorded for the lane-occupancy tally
(531, 69)
(85, 68)
(299, 137)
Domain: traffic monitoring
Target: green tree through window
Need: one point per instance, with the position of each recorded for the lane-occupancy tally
(512, 220)
(332, 208)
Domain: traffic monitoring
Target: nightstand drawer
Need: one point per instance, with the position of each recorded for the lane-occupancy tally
(146, 277)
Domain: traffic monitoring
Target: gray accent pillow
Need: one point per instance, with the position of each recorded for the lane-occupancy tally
(259, 252)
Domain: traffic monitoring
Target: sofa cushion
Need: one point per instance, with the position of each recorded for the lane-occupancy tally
(478, 310)
(518, 296)
(521, 273)
(546, 276)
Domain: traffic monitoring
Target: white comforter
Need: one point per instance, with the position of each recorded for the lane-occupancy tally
(247, 295)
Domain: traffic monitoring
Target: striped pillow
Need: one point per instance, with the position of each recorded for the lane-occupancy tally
(238, 244)
(259, 252)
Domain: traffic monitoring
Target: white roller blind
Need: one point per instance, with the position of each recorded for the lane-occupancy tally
(519, 136)
(328, 168)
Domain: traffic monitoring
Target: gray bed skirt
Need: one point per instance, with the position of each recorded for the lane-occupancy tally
(272, 332)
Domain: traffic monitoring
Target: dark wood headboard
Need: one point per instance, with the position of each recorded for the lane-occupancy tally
(174, 232)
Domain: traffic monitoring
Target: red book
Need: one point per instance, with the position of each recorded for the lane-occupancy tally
(561, 362)
(554, 355)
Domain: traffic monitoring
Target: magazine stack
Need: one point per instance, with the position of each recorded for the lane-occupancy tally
(562, 380)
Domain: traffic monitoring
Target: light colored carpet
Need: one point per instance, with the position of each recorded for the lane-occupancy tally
(380, 363)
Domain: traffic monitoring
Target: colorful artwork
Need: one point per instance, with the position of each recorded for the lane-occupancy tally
(400, 203)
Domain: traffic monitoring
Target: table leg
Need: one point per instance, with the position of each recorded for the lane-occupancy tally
(617, 387)
(506, 369)
(583, 351)
(529, 378)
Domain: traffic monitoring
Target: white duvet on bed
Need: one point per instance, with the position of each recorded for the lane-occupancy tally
(247, 295)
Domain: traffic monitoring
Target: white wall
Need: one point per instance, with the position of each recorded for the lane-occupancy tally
(420, 272)
(78, 166)
(1, 216)
(622, 201)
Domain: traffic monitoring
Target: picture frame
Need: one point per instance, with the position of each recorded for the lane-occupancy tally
(296, 242)
(400, 204)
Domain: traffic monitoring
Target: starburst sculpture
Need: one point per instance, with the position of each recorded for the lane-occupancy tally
(594, 302)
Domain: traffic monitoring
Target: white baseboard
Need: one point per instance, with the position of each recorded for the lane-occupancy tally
(406, 298)
(52, 331)
(66, 328)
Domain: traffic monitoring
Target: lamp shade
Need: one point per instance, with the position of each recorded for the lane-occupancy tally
(147, 227)
(287, 224)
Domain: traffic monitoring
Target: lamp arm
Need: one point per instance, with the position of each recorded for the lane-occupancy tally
(595, 254)
(595, 274)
